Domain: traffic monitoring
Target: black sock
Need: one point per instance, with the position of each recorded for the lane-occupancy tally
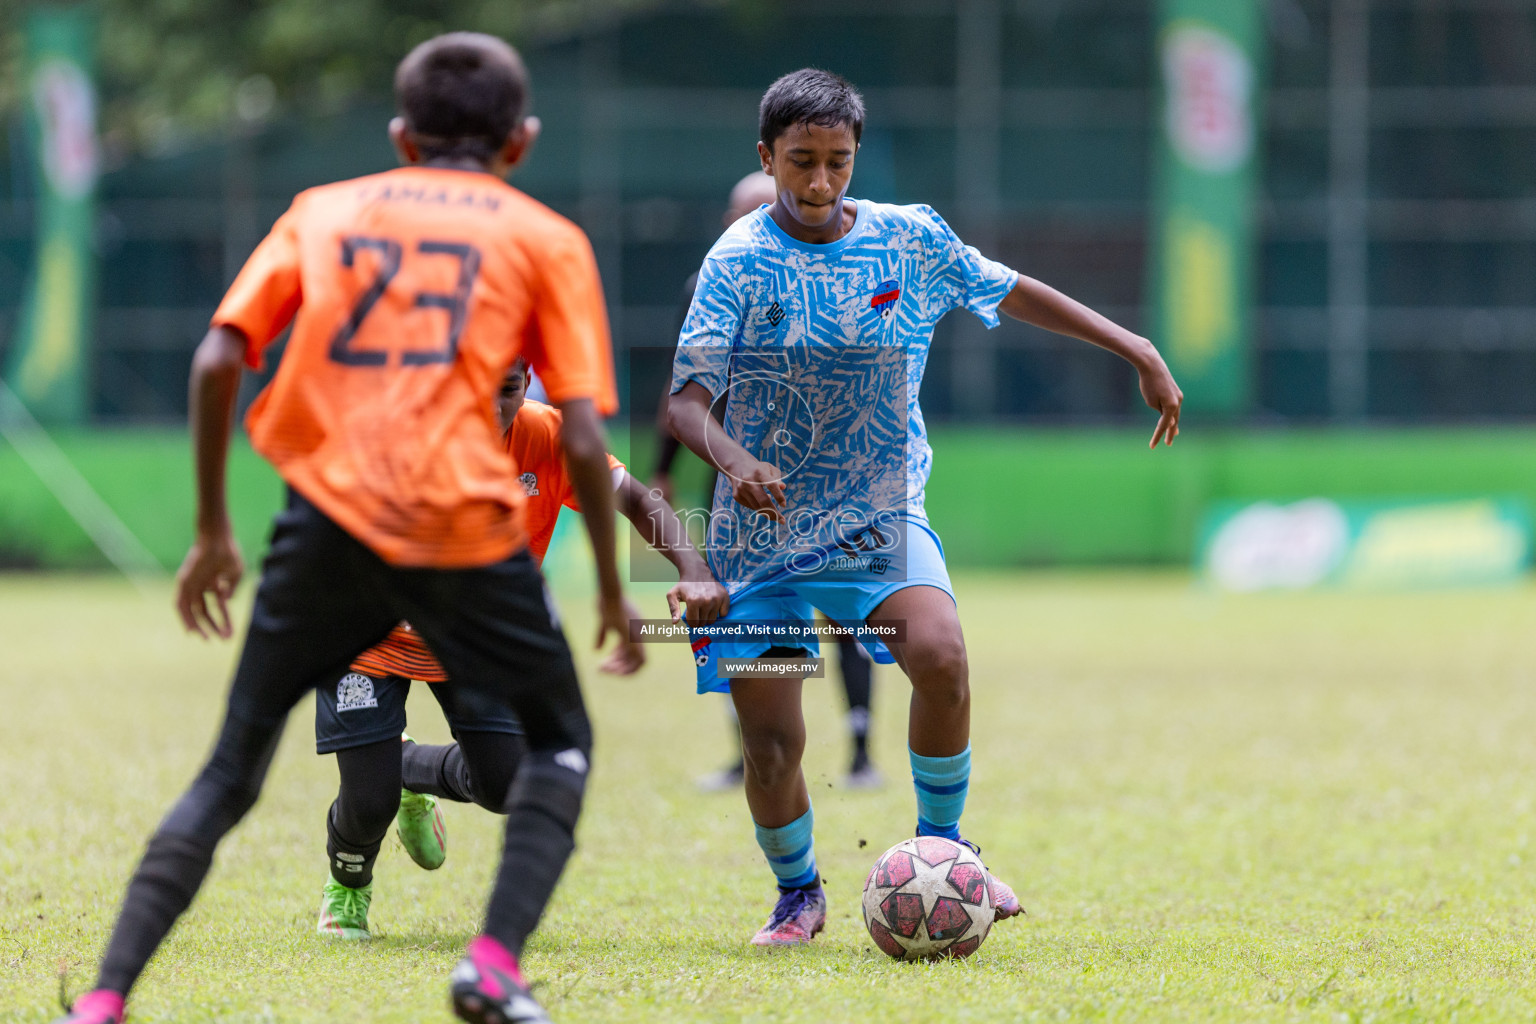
(365, 806)
(436, 770)
(168, 877)
(543, 805)
(351, 863)
(860, 749)
(858, 686)
(179, 854)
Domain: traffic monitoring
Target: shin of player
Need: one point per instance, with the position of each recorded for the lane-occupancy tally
(854, 290)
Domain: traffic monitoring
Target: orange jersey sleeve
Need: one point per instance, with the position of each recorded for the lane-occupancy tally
(402, 653)
(569, 349)
(534, 443)
(415, 289)
(266, 293)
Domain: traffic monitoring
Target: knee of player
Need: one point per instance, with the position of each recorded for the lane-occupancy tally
(941, 672)
(225, 785)
(773, 753)
(493, 792)
(238, 798)
(490, 763)
(552, 783)
(216, 802)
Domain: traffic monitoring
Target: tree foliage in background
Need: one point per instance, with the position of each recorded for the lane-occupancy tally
(173, 68)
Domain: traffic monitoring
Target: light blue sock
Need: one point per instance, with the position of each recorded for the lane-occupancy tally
(941, 784)
(790, 852)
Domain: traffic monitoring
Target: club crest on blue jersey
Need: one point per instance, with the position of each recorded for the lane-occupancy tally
(885, 297)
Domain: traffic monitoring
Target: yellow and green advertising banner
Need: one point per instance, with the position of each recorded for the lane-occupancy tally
(46, 367)
(1389, 544)
(1201, 240)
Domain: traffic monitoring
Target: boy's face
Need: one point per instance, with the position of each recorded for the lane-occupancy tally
(811, 166)
(509, 399)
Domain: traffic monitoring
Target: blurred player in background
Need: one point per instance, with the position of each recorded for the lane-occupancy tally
(411, 293)
(752, 192)
(817, 314)
(360, 717)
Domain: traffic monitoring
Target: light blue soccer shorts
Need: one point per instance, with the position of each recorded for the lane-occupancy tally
(846, 590)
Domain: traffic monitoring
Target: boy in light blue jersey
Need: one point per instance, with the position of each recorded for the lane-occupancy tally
(812, 322)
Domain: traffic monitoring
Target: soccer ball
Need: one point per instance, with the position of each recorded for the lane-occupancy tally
(928, 898)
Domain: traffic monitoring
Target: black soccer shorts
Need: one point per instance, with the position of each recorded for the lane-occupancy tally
(359, 709)
(325, 598)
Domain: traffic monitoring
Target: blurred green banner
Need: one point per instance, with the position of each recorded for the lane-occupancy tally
(1202, 231)
(1378, 545)
(47, 361)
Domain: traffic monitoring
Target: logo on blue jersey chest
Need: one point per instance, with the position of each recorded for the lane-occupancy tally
(845, 304)
(886, 295)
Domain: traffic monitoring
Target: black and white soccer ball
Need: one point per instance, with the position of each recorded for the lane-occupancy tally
(928, 898)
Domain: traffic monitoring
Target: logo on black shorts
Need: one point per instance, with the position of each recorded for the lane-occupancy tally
(355, 692)
(573, 760)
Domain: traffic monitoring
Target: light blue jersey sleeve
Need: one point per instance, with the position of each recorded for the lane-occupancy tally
(959, 277)
(710, 330)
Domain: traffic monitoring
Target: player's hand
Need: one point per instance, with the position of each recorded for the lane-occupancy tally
(760, 488)
(1163, 397)
(628, 656)
(662, 483)
(213, 566)
(706, 601)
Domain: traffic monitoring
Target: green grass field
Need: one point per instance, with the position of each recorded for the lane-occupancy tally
(1282, 808)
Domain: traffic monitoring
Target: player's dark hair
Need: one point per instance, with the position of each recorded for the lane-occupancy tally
(809, 96)
(461, 94)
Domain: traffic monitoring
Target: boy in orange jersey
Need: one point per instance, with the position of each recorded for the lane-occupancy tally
(410, 294)
(360, 716)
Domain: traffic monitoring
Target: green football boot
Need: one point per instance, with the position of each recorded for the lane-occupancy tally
(422, 831)
(344, 911)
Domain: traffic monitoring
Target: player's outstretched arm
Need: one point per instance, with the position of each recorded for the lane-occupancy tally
(213, 565)
(1043, 306)
(757, 485)
(586, 460)
(696, 587)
